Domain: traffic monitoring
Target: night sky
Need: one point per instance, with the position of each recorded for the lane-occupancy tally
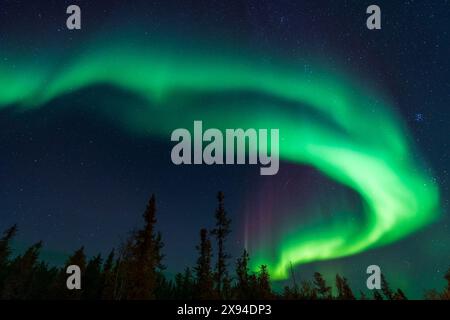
(79, 162)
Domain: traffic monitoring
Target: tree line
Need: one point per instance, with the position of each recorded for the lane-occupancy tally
(136, 272)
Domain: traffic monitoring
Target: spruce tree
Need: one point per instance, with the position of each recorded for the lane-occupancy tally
(179, 294)
(242, 272)
(264, 287)
(348, 293)
(142, 259)
(108, 277)
(307, 291)
(204, 277)
(386, 289)
(432, 294)
(42, 281)
(288, 293)
(343, 289)
(5, 252)
(400, 295)
(5, 244)
(18, 283)
(339, 287)
(323, 290)
(93, 279)
(221, 232)
(377, 295)
(188, 284)
(446, 293)
(184, 285)
(362, 295)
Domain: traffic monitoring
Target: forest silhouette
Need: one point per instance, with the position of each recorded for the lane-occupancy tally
(136, 272)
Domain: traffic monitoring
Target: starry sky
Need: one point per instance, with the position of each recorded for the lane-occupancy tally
(73, 174)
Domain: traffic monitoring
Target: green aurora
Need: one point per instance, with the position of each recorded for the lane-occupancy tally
(327, 120)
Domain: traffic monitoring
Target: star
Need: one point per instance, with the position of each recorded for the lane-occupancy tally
(418, 117)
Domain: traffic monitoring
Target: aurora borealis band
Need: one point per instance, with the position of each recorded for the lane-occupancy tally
(330, 120)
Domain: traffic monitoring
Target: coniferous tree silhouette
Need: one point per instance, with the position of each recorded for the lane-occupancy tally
(5, 244)
(138, 273)
(294, 292)
(188, 284)
(264, 288)
(446, 293)
(221, 231)
(323, 290)
(178, 283)
(108, 277)
(348, 293)
(377, 295)
(18, 284)
(93, 279)
(434, 294)
(142, 259)
(164, 288)
(400, 295)
(307, 291)
(204, 283)
(340, 287)
(385, 288)
(243, 278)
(343, 288)
(290, 293)
(5, 252)
(362, 296)
(184, 285)
(43, 278)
